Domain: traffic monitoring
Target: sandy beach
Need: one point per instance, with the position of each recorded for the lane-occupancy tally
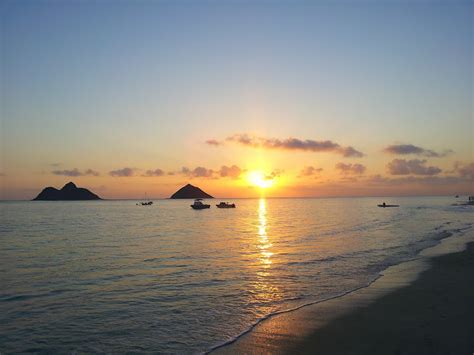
(423, 306)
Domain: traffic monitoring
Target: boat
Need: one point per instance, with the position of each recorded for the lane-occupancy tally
(383, 205)
(146, 202)
(226, 205)
(198, 205)
(469, 202)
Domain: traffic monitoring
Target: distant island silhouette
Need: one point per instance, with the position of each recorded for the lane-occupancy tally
(69, 192)
(190, 191)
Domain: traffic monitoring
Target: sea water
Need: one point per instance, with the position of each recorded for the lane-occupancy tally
(111, 276)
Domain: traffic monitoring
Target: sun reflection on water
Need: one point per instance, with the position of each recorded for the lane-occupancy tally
(265, 245)
(265, 290)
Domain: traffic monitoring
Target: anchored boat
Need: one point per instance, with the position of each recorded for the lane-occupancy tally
(226, 205)
(198, 205)
(146, 202)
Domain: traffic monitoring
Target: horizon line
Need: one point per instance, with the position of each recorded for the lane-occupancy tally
(238, 198)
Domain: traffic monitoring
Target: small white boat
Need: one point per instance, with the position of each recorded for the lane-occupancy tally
(199, 205)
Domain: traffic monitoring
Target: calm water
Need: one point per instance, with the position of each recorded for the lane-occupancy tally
(114, 277)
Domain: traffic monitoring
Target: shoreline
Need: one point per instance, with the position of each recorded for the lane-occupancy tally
(295, 330)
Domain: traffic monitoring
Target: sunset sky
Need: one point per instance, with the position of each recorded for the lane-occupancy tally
(320, 98)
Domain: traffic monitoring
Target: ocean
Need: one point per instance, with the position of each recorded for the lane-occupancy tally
(111, 276)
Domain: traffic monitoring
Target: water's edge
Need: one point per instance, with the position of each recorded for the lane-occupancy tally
(456, 240)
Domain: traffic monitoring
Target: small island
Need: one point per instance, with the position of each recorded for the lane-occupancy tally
(70, 192)
(190, 191)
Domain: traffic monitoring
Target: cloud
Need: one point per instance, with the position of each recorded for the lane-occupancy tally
(404, 149)
(411, 167)
(125, 172)
(347, 178)
(421, 180)
(198, 172)
(350, 169)
(3, 174)
(156, 172)
(233, 171)
(310, 171)
(214, 142)
(465, 170)
(274, 174)
(348, 152)
(290, 144)
(91, 172)
(75, 172)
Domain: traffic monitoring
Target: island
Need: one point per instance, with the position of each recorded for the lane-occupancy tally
(190, 191)
(69, 192)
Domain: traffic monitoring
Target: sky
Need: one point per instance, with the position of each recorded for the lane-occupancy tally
(304, 98)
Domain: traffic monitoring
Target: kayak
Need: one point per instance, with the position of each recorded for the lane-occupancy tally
(383, 206)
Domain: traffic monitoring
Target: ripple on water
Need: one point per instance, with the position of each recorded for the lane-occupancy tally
(121, 279)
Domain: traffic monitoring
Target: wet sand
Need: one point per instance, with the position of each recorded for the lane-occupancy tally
(424, 306)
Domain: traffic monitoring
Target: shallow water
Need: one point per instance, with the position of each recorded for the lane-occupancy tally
(110, 276)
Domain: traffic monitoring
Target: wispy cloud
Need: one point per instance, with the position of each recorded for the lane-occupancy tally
(405, 149)
(411, 167)
(232, 171)
(274, 174)
(290, 144)
(350, 169)
(75, 172)
(465, 170)
(124, 172)
(214, 142)
(422, 180)
(198, 172)
(310, 171)
(348, 152)
(91, 172)
(156, 172)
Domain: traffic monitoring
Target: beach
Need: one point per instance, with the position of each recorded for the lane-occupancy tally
(423, 306)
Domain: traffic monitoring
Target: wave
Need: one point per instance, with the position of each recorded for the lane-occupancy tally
(12, 298)
(270, 315)
(440, 234)
(438, 238)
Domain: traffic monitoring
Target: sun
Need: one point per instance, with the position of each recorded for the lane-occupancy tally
(259, 179)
